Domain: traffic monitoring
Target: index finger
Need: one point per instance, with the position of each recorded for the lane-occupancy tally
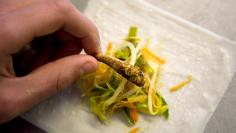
(21, 26)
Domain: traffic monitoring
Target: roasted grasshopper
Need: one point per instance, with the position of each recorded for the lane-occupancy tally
(130, 72)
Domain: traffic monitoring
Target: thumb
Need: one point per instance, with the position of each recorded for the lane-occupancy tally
(24, 92)
(61, 73)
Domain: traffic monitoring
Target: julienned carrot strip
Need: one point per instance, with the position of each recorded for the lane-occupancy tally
(149, 54)
(133, 114)
(182, 84)
(109, 47)
(134, 130)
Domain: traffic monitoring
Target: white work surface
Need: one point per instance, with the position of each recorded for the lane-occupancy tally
(217, 16)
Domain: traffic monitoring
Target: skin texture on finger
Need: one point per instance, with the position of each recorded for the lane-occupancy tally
(42, 83)
(7, 6)
(20, 27)
(6, 67)
(66, 37)
(90, 42)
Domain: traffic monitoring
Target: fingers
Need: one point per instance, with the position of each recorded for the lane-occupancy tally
(21, 26)
(43, 82)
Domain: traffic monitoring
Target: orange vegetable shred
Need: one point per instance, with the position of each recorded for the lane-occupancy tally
(134, 130)
(182, 84)
(109, 47)
(133, 114)
(150, 55)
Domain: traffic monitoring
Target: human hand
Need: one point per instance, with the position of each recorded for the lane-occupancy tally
(61, 32)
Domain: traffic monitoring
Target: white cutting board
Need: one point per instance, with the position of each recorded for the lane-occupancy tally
(187, 48)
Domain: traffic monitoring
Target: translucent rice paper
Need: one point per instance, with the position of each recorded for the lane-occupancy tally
(188, 50)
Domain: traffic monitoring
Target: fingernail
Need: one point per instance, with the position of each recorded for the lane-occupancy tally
(87, 67)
